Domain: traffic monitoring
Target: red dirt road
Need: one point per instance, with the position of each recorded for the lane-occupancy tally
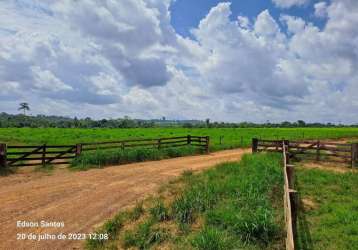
(84, 200)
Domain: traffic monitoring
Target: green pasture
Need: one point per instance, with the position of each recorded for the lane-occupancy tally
(230, 137)
(328, 213)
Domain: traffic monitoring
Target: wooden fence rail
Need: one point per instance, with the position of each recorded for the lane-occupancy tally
(321, 151)
(16, 156)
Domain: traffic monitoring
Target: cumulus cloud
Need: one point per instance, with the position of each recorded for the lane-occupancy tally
(320, 9)
(116, 58)
(289, 3)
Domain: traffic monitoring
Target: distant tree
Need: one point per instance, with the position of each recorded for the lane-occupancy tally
(24, 106)
(188, 125)
(76, 122)
(207, 121)
(301, 123)
(163, 118)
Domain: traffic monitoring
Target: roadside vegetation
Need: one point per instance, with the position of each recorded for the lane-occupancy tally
(232, 206)
(328, 213)
(101, 158)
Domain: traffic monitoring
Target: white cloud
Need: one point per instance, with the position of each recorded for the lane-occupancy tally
(320, 9)
(289, 3)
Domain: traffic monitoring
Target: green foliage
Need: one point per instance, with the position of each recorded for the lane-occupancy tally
(159, 212)
(330, 219)
(137, 211)
(242, 206)
(211, 239)
(101, 158)
(111, 227)
(144, 236)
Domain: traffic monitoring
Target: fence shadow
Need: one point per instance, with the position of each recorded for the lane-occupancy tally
(303, 239)
(5, 171)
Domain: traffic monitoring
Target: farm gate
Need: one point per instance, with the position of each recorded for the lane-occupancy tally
(18, 156)
(316, 150)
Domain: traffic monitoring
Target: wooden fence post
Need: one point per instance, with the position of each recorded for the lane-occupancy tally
(159, 143)
(287, 145)
(255, 143)
(3, 151)
(43, 155)
(207, 144)
(318, 151)
(189, 139)
(294, 211)
(78, 149)
(354, 154)
(221, 137)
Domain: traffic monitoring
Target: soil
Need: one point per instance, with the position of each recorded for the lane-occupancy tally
(329, 166)
(84, 200)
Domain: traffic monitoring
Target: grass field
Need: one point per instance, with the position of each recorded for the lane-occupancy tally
(216, 209)
(232, 137)
(328, 215)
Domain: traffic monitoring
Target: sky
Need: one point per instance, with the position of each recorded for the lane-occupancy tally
(239, 60)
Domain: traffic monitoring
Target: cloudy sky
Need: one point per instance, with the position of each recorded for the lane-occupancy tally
(252, 60)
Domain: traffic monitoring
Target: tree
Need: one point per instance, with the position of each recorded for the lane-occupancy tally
(207, 121)
(301, 123)
(24, 106)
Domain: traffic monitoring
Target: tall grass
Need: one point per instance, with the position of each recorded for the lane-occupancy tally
(236, 198)
(101, 158)
(233, 206)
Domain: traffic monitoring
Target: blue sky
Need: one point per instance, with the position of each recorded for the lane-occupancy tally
(186, 14)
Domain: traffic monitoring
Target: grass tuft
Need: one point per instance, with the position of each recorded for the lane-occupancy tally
(159, 212)
(136, 212)
(211, 239)
(144, 236)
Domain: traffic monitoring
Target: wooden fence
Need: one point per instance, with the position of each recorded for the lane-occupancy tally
(317, 150)
(290, 195)
(290, 199)
(18, 156)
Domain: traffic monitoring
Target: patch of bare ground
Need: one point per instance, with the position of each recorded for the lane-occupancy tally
(84, 200)
(309, 204)
(329, 166)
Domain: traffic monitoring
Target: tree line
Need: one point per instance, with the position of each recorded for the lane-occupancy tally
(44, 121)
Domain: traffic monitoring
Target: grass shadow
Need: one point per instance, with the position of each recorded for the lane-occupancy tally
(303, 237)
(5, 171)
(48, 168)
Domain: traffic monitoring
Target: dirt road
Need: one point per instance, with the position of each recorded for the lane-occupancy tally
(84, 200)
